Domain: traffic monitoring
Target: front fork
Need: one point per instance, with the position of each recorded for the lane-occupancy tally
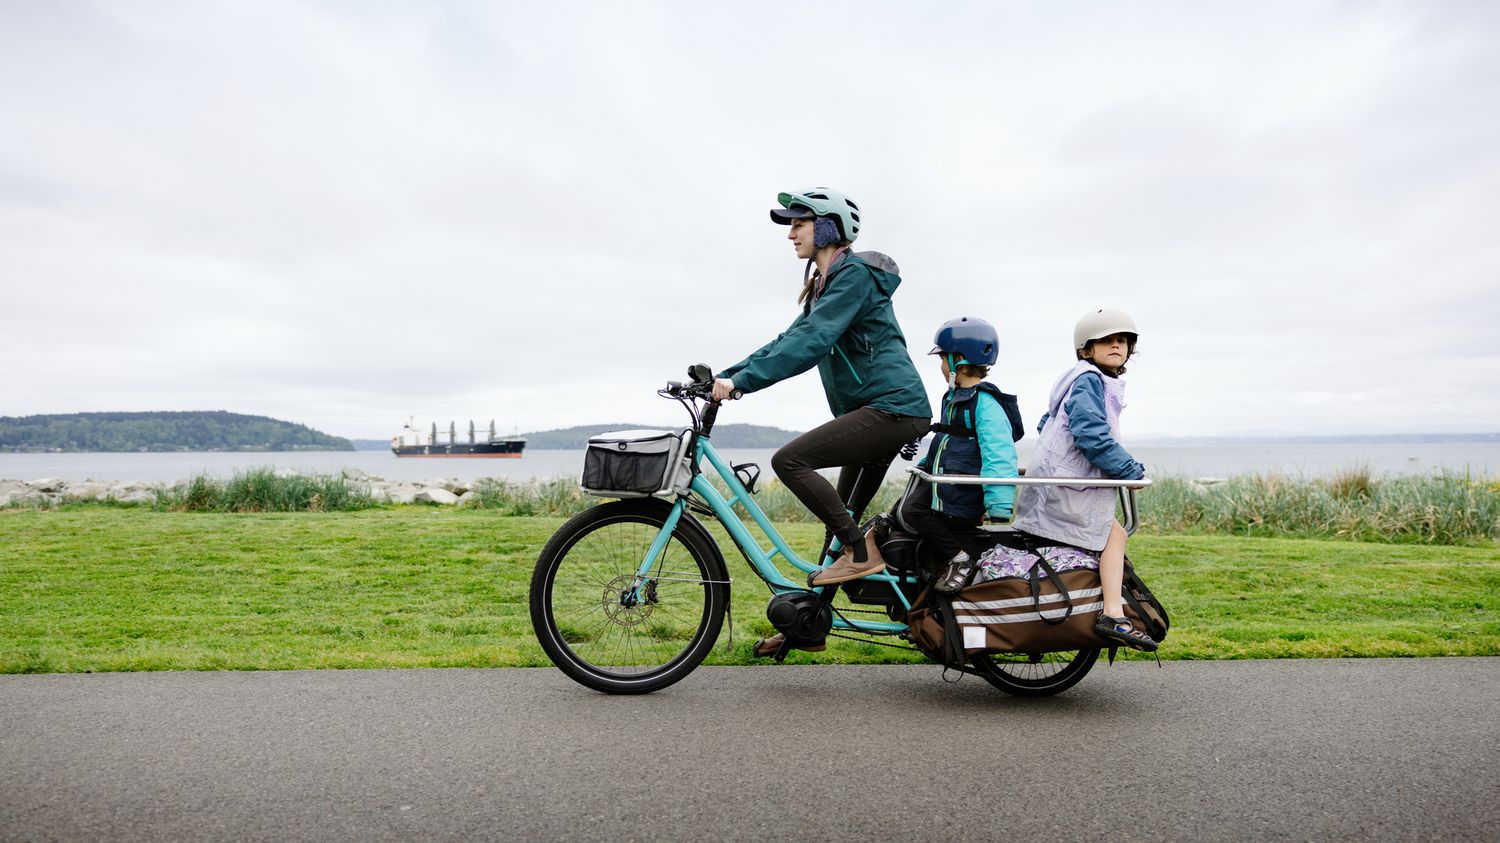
(643, 588)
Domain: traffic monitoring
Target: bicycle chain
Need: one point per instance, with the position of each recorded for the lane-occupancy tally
(873, 641)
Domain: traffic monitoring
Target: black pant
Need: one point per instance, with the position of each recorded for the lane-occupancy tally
(862, 443)
(935, 528)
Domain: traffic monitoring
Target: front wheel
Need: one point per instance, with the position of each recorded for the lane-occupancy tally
(611, 630)
(1037, 674)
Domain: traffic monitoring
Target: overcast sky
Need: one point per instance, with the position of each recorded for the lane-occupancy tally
(347, 213)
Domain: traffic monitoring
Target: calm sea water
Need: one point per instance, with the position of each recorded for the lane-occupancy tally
(1163, 460)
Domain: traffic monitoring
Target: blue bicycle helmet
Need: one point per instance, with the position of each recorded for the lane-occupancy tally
(969, 340)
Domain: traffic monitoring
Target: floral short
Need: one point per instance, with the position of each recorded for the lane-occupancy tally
(1001, 561)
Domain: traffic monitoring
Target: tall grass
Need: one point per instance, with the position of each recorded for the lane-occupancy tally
(1448, 508)
(557, 497)
(264, 490)
(563, 497)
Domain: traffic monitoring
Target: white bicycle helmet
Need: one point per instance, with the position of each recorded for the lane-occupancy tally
(1101, 323)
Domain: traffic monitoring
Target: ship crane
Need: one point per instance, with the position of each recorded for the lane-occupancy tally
(494, 446)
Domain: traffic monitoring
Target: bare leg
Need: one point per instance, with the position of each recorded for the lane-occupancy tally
(1111, 578)
(1112, 571)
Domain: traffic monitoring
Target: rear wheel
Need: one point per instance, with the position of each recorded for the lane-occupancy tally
(1035, 674)
(608, 630)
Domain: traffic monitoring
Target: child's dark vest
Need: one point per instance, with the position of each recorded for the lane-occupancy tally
(956, 448)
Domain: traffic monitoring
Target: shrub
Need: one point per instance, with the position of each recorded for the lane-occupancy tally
(559, 497)
(264, 490)
(1447, 508)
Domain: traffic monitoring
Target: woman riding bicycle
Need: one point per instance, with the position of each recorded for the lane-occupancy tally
(846, 328)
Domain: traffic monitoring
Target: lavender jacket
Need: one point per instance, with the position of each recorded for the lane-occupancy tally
(1071, 515)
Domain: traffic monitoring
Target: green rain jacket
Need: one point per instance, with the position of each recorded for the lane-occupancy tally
(850, 333)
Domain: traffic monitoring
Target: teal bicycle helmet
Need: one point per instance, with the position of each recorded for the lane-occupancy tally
(819, 202)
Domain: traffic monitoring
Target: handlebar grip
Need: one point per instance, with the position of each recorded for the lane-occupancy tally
(736, 395)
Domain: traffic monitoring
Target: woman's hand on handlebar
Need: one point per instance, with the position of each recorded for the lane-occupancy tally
(724, 389)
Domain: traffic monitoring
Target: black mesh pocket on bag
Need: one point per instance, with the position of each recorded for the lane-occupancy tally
(624, 471)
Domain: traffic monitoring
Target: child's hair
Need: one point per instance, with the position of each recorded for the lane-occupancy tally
(1083, 353)
(974, 371)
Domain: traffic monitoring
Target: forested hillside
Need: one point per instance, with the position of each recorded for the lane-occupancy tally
(187, 431)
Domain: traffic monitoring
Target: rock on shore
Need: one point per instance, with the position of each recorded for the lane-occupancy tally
(48, 492)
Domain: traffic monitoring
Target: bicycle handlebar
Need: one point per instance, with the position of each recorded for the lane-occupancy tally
(700, 388)
(677, 389)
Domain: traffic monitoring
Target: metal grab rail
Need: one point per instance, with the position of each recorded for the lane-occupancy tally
(1130, 516)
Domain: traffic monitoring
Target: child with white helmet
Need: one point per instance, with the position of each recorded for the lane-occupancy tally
(1080, 438)
(977, 430)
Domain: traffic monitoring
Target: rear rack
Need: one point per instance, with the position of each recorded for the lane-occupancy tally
(1126, 489)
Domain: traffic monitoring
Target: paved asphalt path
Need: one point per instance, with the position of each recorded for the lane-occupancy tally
(1264, 750)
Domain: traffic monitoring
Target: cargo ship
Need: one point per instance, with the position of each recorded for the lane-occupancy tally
(411, 442)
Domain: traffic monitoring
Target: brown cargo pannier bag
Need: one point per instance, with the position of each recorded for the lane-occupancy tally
(1036, 613)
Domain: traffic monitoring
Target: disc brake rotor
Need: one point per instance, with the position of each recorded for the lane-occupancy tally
(620, 608)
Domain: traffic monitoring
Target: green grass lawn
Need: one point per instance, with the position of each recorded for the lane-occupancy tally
(105, 589)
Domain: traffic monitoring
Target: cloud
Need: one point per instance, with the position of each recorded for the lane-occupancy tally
(344, 215)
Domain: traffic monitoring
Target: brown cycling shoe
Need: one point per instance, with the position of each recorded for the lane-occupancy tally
(846, 569)
(765, 648)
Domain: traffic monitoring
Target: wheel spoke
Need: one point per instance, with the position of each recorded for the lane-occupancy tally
(1030, 675)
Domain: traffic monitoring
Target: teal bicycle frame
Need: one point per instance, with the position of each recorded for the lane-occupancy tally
(761, 558)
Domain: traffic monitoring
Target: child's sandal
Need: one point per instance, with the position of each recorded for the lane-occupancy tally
(1123, 631)
(955, 576)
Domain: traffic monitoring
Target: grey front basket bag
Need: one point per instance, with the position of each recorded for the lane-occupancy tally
(637, 463)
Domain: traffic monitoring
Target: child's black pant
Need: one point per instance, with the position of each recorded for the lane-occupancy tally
(935, 528)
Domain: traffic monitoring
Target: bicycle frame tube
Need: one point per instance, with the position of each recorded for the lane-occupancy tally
(760, 558)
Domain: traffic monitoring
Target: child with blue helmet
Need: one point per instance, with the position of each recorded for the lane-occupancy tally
(977, 430)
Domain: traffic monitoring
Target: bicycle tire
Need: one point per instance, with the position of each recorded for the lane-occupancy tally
(1050, 673)
(580, 609)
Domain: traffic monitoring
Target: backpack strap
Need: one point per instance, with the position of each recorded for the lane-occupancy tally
(1140, 597)
(1008, 404)
(953, 636)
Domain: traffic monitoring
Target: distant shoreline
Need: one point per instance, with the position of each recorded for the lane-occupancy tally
(1350, 439)
(186, 451)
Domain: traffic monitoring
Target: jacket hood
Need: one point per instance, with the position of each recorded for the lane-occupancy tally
(1064, 385)
(887, 273)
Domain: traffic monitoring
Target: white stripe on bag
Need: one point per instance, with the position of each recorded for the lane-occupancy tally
(1013, 602)
(984, 620)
